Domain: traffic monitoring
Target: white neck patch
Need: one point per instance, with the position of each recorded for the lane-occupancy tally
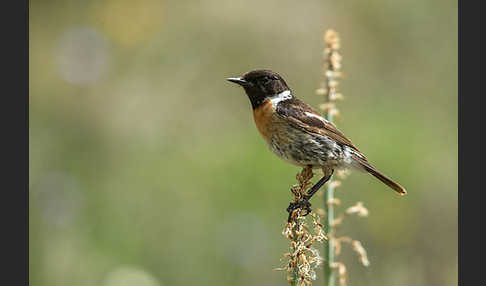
(284, 95)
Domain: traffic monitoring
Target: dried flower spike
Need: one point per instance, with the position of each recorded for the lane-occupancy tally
(302, 259)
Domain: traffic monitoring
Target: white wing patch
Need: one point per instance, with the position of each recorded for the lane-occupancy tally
(317, 116)
(284, 95)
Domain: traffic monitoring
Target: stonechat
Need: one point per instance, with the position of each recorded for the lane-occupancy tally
(299, 135)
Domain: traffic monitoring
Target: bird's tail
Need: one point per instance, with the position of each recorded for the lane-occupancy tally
(373, 171)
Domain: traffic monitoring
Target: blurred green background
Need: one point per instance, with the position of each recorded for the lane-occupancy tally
(146, 167)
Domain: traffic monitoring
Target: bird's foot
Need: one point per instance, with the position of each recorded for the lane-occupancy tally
(303, 205)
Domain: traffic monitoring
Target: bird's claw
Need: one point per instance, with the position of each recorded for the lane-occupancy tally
(303, 205)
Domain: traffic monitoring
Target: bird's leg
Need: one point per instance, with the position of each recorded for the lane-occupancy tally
(304, 204)
(317, 186)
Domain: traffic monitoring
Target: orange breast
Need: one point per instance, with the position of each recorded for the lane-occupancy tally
(263, 117)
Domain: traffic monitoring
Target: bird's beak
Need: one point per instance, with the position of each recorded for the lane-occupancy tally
(237, 80)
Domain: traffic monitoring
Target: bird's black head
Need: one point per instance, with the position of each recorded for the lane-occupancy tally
(260, 85)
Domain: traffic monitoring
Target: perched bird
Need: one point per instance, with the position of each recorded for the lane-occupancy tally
(299, 135)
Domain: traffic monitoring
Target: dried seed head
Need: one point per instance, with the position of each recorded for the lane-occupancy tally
(343, 173)
(321, 91)
(358, 209)
(338, 243)
(337, 247)
(331, 39)
(336, 96)
(327, 106)
(334, 184)
(337, 221)
(341, 268)
(333, 201)
(334, 112)
(335, 60)
(361, 252)
(333, 83)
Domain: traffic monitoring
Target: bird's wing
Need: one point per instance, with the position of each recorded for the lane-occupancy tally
(302, 116)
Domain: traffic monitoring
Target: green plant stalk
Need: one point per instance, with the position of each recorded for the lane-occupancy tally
(331, 41)
(329, 273)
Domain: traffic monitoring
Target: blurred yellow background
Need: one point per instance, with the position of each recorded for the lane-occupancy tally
(146, 167)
